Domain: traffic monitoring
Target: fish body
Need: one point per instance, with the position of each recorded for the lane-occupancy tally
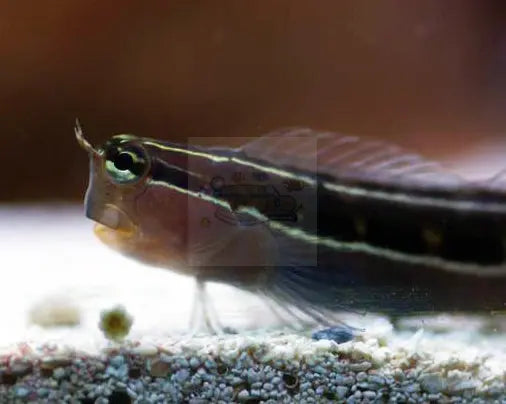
(313, 220)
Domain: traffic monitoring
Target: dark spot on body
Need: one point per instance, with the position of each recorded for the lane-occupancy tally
(433, 239)
(360, 226)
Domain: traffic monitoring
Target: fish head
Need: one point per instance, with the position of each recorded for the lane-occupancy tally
(118, 173)
(132, 216)
(154, 202)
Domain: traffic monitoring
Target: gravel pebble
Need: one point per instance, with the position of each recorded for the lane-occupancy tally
(337, 334)
(371, 395)
(194, 363)
(255, 371)
(117, 361)
(243, 395)
(432, 382)
(21, 368)
(145, 350)
(159, 368)
(360, 367)
(341, 391)
(21, 391)
(59, 373)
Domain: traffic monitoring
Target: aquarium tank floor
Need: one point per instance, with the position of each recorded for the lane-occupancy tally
(58, 279)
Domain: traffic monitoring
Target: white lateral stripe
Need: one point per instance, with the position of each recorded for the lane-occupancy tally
(415, 199)
(185, 151)
(355, 191)
(360, 247)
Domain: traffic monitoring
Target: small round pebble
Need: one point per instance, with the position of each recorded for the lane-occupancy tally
(337, 334)
(59, 373)
(194, 363)
(115, 323)
(243, 395)
(21, 391)
(159, 368)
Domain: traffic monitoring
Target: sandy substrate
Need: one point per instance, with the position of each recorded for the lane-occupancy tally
(56, 272)
(272, 368)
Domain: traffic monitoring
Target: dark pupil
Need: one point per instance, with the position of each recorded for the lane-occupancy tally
(123, 161)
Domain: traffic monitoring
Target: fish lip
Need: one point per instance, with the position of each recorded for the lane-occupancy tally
(113, 218)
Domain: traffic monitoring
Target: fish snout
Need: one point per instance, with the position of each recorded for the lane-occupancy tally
(111, 216)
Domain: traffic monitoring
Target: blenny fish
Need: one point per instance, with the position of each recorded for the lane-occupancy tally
(315, 222)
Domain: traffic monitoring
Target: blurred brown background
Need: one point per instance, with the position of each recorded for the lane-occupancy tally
(429, 74)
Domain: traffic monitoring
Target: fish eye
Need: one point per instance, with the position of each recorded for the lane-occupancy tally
(126, 164)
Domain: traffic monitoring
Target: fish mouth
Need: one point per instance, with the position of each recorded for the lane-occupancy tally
(113, 219)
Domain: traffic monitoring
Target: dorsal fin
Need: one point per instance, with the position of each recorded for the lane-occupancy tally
(348, 157)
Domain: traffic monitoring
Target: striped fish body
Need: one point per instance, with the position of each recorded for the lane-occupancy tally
(417, 258)
(318, 221)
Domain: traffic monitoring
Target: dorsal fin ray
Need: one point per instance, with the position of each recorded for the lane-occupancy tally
(348, 157)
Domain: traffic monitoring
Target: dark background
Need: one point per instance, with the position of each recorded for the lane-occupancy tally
(428, 74)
